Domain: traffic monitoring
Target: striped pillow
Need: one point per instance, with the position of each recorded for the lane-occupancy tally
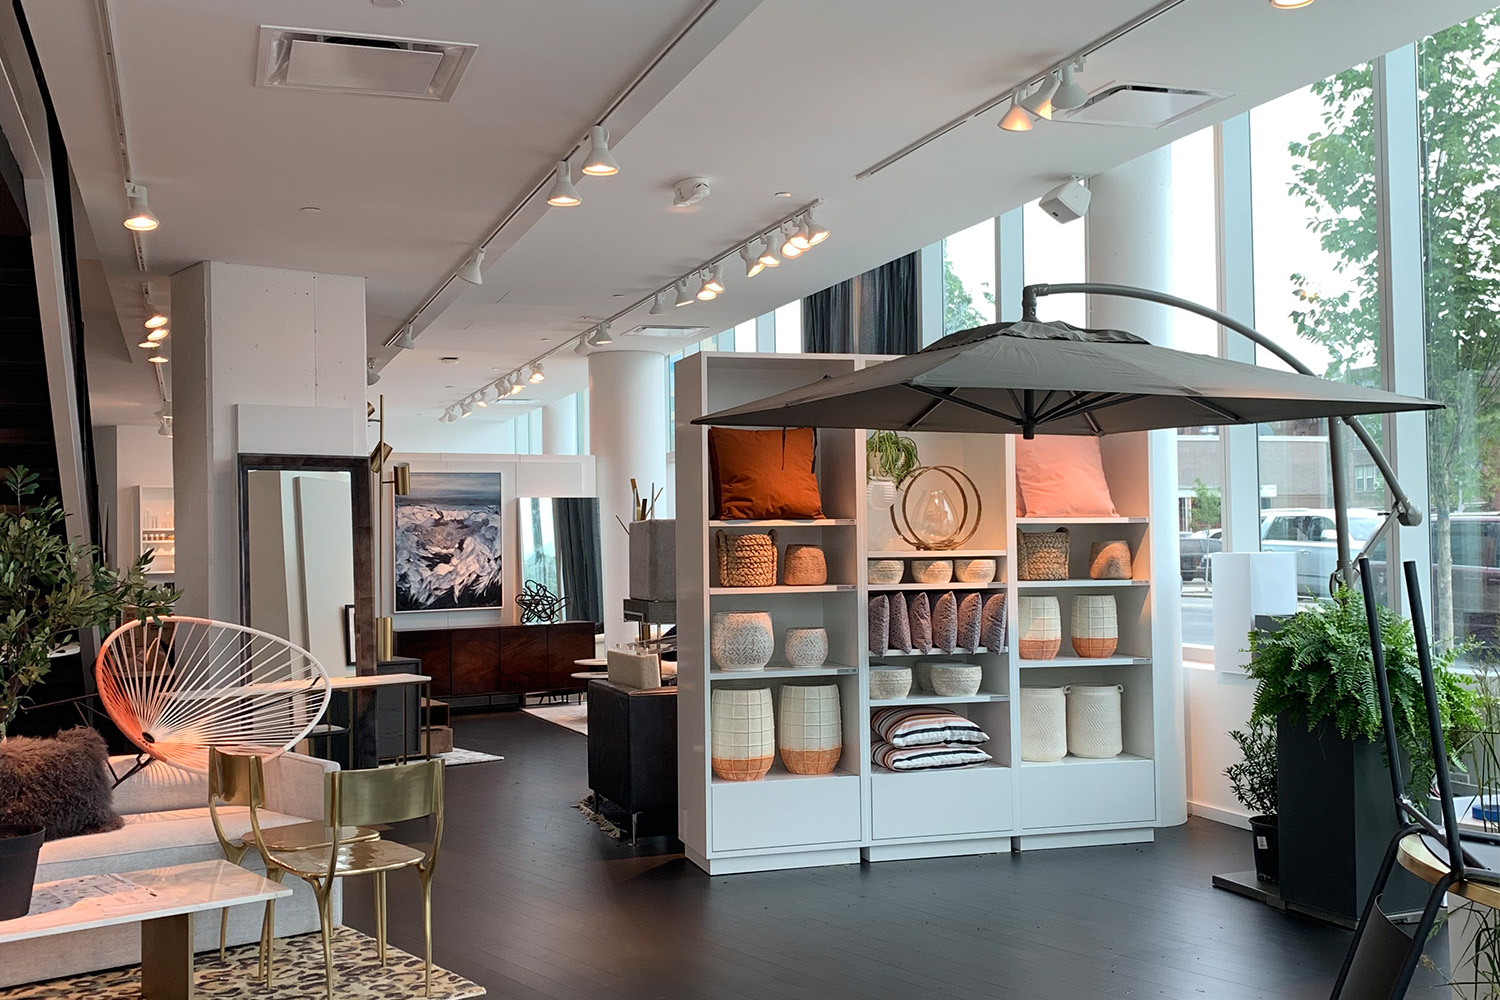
(925, 758)
(924, 726)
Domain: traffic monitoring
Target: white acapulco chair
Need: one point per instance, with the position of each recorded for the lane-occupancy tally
(176, 686)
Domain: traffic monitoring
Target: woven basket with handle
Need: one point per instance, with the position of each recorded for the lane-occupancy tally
(746, 560)
(1044, 554)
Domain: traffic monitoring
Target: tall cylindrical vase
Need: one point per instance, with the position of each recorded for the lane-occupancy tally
(811, 734)
(741, 640)
(1096, 628)
(1044, 724)
(1040, 629)
(744, 733)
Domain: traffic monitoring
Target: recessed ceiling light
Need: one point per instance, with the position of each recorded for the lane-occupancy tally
(1290, 4)
(311, 209)
(449, 360)
(545, 340)
(389, 4)
(783, 194)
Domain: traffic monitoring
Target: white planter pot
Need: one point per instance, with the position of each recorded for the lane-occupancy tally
(880, 493)
(1096, 628)
(1039, 632)
(1044, 724)
(741, 640)
(744, 733)
(1094, 720)
(806, 647)
(811, 734)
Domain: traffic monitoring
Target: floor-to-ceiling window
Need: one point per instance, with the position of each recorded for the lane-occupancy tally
(1054, 253)
(1459, 122)
(969, 277)
(1314, 211)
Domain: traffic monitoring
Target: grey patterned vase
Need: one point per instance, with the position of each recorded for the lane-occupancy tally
(741, 640)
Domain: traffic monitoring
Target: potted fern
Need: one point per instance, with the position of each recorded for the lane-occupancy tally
(1335, 814)
(50, 590)
(1253, 782)
(889, 458)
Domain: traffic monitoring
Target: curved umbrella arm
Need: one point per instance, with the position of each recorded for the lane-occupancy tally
(1403, 509)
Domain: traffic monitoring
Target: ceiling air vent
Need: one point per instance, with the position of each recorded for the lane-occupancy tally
(674, 332)
(360, 64)
(1140, 105)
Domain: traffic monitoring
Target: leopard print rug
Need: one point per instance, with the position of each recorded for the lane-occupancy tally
(299, 975)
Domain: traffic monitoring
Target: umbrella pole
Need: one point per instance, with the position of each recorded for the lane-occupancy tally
(1403, 509)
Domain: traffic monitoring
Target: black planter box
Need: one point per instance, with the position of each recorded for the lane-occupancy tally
(1336, 821)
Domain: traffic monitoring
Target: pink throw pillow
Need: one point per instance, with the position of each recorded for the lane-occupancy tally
(1062, 475)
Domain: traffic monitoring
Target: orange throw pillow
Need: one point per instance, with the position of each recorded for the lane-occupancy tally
(1062, 475)
(763, 474)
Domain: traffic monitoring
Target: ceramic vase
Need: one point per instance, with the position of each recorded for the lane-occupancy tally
(1039, 633)
(1094, 720)
(741, 640)
(811, 735)
(744, 733)
(806, 647)
(1044, 724)
(1096, 629)
(880, 493)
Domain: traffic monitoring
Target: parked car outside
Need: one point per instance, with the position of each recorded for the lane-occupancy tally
(1310, 533)
(1195, 548)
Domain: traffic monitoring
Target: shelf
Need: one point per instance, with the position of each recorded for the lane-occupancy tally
(1085, 661)
(811, 522)
(1066, 521)
(937, 699)
(989, 765)
(1071, 761)
(826, 670)
(829, 588)
(1079, 584)
(953, 585)
(957, 651)
(779, 773)
(936, 554)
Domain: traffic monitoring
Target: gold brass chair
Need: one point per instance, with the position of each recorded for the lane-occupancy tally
(357, 798)
(239, 780)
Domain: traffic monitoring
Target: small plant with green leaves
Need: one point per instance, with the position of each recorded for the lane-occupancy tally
(1316, 668)
(1253, 779)
(52, 588)
(891, 456)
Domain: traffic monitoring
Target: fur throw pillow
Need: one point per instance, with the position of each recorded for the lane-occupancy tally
(61, 783)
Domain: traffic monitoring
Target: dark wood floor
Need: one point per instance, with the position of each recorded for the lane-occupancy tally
(532, 901)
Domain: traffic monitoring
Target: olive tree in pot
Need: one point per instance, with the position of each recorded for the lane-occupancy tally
(1253, 781)
(50, 590)
(1335, 814)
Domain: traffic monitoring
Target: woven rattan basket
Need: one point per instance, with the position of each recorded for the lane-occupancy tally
(746, 560)
(1044, 554)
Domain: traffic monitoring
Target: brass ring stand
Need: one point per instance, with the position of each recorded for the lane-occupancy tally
(965, 529)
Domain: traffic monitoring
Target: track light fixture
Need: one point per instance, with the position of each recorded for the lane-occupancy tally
(1290, 4)
(706, 292)
(447, 416)
(752, 266)
(156, 320)
(148, 344)
(815, 233)
(716, 279)
(165, 430)
(1017, 119)
(789, 248)
(537, 375)
(408, 338)
(563, 193)
(140, 218)
(1039, 101)
(684, 297)
(471, 272)
(1069, 94)
(465, 408)
(601, 336)
(481, 398)
(768, 250)
(801, 239)
(516, 384)
(582, 348)
(161, 359)
(159, 334)
(601, 162)
(371, 375)
(659, 304)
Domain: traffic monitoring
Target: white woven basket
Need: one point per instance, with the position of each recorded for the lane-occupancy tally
(1044, 720)
(1094, 720)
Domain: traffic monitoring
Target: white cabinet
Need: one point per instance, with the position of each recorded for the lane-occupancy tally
(147, 522)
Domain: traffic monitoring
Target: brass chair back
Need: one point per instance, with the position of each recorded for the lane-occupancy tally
(235, 779)
(386, 795)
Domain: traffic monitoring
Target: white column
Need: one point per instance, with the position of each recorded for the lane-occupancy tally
(1130, 243)
(560, 427)
(264, 361)
(628, 436)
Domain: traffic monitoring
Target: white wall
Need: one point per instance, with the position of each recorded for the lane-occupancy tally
(473, 435)
(1217, 701)
(126, 457)
(520, 476)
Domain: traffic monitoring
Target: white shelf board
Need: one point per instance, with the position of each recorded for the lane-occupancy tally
(937, 699)
(1079, 584)
(957, 651)
(829, 588)
(1086, 661)
(989, 765)
(779, 773)
(952, 585)
(809, 522)
(826, 670)
(1071, 761)
(1024, 521)
(938, 554)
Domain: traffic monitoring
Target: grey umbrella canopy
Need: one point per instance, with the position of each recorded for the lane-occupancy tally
(1054, 378)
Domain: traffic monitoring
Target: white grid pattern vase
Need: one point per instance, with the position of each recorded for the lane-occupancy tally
(811, 734)
(744, 733)
(1096, 627)
(1039, 632)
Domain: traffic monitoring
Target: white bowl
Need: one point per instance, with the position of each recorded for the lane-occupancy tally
(932, 570)
(886, 571)
(956, 680)
(889, 683)
(973, 570)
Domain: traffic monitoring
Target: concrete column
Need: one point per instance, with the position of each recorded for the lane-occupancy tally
(628, 436)
(264, 361)
(560, 427)
(1130, 243)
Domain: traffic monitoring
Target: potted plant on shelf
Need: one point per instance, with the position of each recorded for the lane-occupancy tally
(889, 458)
(1253, 781)
(50, 590)
(1335, 814)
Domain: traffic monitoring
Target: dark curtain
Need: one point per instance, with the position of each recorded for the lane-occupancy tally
(578, 557)
(828, 320)
(874, 313)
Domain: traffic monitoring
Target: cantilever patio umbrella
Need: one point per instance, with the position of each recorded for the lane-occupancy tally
(1031, 377)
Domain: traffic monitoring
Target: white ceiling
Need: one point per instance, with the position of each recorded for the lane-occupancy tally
(795, 97)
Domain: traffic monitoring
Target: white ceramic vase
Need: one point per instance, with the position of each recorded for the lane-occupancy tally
(880, 493)
(1039, 634)
(806, 647)
(741, 640)
(1044, 724)
(811, 734)
(744, 733)
(1094, 720)
(1096, 628)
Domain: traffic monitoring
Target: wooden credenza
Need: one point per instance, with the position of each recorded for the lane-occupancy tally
(500, 659)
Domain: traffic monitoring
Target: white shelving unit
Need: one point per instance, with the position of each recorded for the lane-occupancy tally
(149, 510)
(861, 811)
